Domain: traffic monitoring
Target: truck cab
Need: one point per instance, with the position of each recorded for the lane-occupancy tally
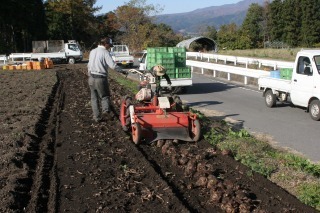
(73, 52)
(143, 61)
(305, 85)
(303, 88)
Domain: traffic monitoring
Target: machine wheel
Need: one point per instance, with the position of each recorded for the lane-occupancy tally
(71, 60)
(314, 110)
(195, 130)
(178, 102)
(136, 133)
(125, 114)
(270, 99)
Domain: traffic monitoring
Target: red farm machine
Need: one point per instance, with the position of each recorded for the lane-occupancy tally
(151, 117)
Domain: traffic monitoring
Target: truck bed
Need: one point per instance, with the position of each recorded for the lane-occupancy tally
(274, 83)
(48, 55)
(177, 82)
(27, 56)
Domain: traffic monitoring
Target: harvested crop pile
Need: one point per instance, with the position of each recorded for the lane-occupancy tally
(55, 158)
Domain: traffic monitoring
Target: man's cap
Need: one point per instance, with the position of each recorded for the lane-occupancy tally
(159, 70)
(106, 40)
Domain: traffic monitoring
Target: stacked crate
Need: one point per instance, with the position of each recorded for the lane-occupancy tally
(286, 73)
(172, 58)
(31, 65)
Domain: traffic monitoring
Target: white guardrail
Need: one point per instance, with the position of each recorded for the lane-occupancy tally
(246, 72)
(3, 59)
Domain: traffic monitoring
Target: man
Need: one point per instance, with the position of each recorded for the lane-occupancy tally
(160, 72)
(99, 62)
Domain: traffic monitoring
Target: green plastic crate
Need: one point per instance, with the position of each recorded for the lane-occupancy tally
(180, 61)
(171, 72)
(176, 49)
(169, 57)
(183, 72)
(286, 73)
(164, 55)
(157, 49)
(168, 65)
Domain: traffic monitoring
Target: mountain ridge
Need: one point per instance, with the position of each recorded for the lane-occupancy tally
(198, 19)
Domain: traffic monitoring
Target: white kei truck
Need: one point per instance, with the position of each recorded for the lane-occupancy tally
(56, 50)
(121, 55)
(303, 89)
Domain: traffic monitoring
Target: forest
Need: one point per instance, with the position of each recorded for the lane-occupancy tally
(277, 23)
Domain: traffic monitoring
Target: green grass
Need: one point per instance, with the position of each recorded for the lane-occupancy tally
(276, 54)
(310, 194)
(124, 81)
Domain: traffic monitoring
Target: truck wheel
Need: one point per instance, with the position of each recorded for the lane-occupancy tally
(270, 99)
(314, 110)
(71, 60)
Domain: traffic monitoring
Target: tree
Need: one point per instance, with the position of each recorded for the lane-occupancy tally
(266, 26)
(276, 20)
(292, 19)
(227, 36)
(108, 25)
(211, 32)
(252, 26)
(310, 26)
(71, 19)
(137, 29)
(20, 23)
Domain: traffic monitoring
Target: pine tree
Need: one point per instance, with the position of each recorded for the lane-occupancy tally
(252, 25)
(310, 26)
(292, 22)
(276, 21)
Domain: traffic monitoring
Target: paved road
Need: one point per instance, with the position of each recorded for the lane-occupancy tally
(290, 126)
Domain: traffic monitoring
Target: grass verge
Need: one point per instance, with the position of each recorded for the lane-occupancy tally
(275, 54)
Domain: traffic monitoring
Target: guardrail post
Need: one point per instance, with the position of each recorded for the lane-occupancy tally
(259, 64)
(229, 76)
(202, 71)
(275, 66)
(247, 64)
(225, 61)
(214, 73)
(245, 80)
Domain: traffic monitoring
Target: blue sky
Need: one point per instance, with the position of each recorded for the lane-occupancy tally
(169, 6)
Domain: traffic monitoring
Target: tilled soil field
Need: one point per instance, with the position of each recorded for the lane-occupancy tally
(55, 158)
